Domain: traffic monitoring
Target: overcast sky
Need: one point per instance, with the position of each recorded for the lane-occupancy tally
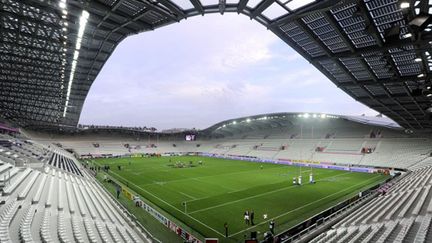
(204, 70)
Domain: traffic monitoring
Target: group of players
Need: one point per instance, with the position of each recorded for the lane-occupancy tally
(298, 180)
(249, 217)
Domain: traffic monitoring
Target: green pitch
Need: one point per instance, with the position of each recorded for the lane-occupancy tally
(219, 191)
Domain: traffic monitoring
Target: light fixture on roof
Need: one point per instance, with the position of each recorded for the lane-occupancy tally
(234, 122)
(407, 35)
(323, 115)
(306, 115)
(404, 5)
(248, 120)
(421, 75)
(418, 59)
(62, 4)
(82, 25)
(314, 115)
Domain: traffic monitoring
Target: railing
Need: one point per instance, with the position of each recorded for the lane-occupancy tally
(323, 221)
(328, 219)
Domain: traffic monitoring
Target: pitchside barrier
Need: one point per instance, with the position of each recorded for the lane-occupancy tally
(129, 194)
(303, 163)
(180, 231)
(305, 228)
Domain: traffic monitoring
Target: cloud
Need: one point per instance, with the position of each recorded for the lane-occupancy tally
(205, 70)
(243, 53)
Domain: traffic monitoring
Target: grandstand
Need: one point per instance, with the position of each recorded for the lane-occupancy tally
(52, 187)
(325, 139)
(334, 139)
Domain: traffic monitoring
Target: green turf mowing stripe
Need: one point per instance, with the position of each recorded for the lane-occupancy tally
(175, 208)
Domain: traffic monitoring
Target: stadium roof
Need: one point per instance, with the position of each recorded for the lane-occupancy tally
(287, 119)
(377, 51)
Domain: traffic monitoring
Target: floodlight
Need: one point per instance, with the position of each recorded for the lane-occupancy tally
(404, 5)
(306, 115)
(407, 35)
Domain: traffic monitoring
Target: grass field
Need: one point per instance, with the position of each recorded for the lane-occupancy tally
(220, 190)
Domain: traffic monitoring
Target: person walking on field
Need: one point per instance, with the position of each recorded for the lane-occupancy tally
(252, 215)
(272, 226)
(226, 229)
(118, 190)
(246, 217)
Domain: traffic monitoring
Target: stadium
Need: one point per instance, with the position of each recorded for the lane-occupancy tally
(275, 177)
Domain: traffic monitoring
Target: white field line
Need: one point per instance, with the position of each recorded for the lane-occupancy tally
(213, 184)
(256, 195)
(172, 206)
(189, 196)
(281, 215)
